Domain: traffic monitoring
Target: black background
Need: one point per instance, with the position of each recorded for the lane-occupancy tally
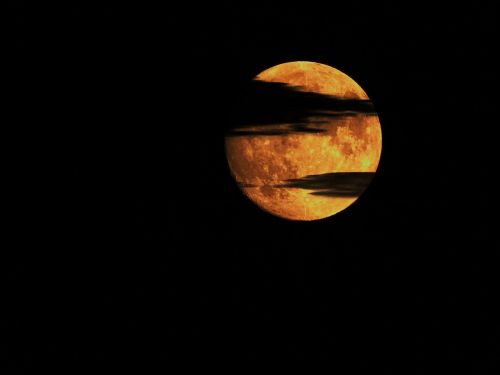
(140, 251)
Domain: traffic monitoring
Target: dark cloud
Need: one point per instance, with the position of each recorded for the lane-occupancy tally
(341, 184)
(281, 129)
(267, 104)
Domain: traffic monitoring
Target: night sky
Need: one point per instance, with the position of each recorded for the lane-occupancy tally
(140, 251)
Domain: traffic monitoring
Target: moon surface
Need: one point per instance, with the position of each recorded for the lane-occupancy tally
(268, 167)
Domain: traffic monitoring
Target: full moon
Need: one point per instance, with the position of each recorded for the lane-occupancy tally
(312, 174)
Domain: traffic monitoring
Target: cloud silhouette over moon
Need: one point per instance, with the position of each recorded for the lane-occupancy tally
(342, 184)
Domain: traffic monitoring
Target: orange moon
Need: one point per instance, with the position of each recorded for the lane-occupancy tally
(263, 164)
